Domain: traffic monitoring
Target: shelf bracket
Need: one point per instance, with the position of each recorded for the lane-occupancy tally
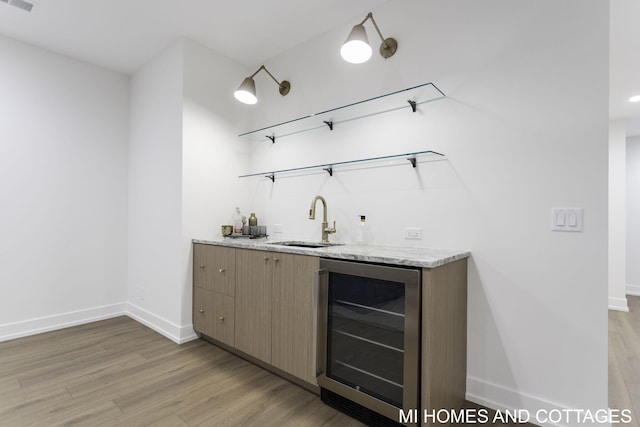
(413, 105)
(329, 170)
(272, 138)
(272, 177)
(412, 160)
(329, 123)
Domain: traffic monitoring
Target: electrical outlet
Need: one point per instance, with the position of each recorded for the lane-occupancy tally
(278, 228)
(413, 233)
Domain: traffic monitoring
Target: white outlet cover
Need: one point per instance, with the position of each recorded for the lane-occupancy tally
(413, 233)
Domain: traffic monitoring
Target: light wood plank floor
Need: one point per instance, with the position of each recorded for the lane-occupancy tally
(624, 359)
(118, 372)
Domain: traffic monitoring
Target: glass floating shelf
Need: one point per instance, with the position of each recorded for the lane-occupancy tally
(329, 167)
(409, 99)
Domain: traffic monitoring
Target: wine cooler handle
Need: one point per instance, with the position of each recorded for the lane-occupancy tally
(320, 295)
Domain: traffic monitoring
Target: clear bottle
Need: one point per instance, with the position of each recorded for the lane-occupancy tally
(237, 221)
(362, 233)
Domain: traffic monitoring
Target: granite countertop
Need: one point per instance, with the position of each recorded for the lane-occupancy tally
(415, 257)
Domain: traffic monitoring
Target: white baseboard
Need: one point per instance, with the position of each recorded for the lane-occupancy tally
(505, 399)
(633, 290)
(619, 304)
(25, 328)
(177, 334)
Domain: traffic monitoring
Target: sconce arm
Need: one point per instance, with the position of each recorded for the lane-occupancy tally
(262, 67)
(375, 25)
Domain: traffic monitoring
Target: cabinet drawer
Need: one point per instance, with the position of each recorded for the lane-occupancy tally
(214, 268)
(214, 315)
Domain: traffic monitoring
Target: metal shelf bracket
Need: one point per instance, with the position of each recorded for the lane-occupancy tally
(329, 167)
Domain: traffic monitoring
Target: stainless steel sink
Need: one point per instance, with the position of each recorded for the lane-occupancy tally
(301, 244)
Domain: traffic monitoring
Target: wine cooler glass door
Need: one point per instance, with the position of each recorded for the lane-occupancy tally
(365, 335)
(371, 335)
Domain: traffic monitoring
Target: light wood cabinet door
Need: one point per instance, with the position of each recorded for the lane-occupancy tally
(214, 268)
(253, 303)
(292, 315)
(213, 315)
(444, 336)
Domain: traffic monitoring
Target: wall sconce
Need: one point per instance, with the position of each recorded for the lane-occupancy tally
(246, 93)
(356, 49)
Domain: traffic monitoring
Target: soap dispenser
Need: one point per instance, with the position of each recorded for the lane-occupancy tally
(362, 231)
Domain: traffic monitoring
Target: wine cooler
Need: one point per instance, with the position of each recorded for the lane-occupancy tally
(368, 342)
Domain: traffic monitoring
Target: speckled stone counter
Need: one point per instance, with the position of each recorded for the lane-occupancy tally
(415, 257)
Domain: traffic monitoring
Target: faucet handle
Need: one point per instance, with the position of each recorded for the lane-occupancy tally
(331, 230)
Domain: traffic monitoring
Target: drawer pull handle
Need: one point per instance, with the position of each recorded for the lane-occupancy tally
(266, 258)
(222, 318)
(221, 270)
(275, 259)
(201, 266)
(201, 311)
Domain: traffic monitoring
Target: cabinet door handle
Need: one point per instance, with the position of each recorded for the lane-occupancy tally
(221, 270)
(201, 311)
(266, 258)
(222, 318)
(275, 259)
(201, 266)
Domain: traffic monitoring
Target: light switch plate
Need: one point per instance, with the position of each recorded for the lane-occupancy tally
(567, 219)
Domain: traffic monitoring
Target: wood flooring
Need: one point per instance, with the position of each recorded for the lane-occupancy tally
(118, 372)
(624, 359)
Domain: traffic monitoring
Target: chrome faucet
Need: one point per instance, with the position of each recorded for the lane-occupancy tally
(325, 225)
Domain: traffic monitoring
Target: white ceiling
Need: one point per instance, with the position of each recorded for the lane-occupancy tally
(122, 36)
(624, 67)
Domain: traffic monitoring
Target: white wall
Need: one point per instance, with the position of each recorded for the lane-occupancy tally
(617, 216)
(184, 162)
(155, 194)
(633, 216)
(63, 184)
(212, 154)
(521, 135)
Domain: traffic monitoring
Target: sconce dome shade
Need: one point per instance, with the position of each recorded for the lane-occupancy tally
(356, 49)
(246, 93)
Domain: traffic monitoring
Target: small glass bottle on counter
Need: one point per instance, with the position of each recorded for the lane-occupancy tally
(237, 221)
(253, 221)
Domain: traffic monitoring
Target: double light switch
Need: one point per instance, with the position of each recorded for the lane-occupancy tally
(567, 219)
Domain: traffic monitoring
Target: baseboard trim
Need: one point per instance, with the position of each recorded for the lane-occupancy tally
(39, 325)
(177, 334)
(619, 304)
(505, 399)
(633, 290)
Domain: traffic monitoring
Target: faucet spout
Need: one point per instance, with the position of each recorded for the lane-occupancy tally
(312, 211)
(325, 224)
